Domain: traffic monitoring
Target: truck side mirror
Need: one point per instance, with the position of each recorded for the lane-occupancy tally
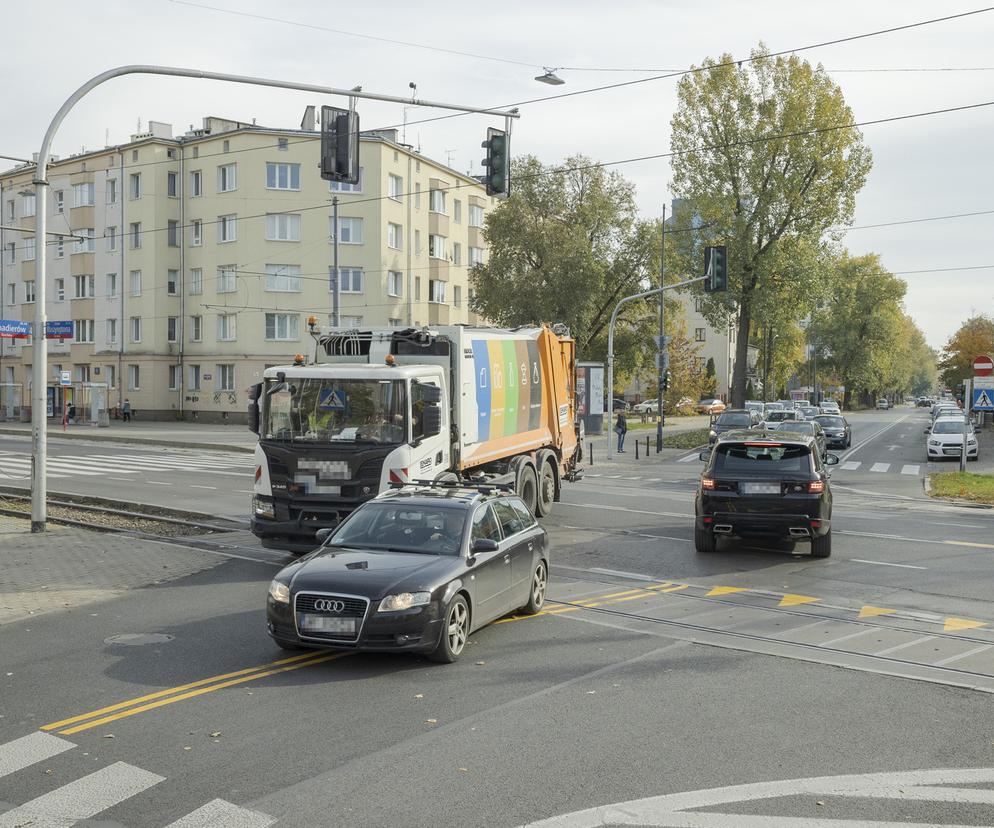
(432, 420)
(255, 392)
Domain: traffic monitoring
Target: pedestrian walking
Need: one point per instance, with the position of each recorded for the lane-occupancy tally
(621, 429)
(126, 410)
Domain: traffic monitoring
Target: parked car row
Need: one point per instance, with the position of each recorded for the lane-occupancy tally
(945, 435)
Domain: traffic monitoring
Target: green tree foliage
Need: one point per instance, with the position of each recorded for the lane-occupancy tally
(764, 195)
(565, 247)
(974, 338)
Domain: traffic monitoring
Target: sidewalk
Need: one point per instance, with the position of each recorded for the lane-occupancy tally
(64, 569)
(628, 462)
(177, 434)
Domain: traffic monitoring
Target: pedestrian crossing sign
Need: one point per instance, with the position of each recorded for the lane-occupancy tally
(331, 399)
(983, 399)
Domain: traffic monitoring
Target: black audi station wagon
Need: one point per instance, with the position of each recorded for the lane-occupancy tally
(768, 485)
(416, 569)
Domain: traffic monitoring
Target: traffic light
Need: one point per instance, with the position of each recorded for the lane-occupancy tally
(339, 145)
(498, 163)
(666, 381)
(715, 269)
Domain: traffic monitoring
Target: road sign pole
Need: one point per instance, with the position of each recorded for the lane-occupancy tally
(660, 421)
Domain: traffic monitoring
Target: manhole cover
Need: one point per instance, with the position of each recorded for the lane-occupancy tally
(138, 639)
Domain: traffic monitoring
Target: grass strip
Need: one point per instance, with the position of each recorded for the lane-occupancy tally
(978, 488)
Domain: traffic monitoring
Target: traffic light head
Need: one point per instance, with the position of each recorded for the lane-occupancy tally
(498, 170)
(715, 269)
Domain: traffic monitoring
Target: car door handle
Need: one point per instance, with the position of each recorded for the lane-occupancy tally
(507, 559)
(531, 546)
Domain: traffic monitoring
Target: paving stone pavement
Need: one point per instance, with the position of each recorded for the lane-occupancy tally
(65, 568)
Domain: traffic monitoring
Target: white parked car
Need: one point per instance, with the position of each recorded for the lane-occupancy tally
(830, 407)
(883, 404)
(649, 406)
(945, 439)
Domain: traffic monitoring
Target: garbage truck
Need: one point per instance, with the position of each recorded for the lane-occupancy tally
(391, 407)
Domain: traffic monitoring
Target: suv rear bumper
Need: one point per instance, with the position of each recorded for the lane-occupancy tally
(763, 525)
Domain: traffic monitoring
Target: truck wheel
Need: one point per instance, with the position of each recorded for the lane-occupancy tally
(704, 542)
(821, 547)
(546, 490)
(528, 488)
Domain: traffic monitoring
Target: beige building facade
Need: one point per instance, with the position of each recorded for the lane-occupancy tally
(202, 256)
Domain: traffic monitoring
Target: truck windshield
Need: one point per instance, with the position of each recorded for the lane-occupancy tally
(317, 410)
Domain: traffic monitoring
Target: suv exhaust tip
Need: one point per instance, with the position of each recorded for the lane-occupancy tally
(799, 532)
(723, 529)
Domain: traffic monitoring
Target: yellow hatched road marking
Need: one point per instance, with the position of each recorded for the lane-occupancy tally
(794, 600)
(955, 624)
(869, 611)
(724, 591)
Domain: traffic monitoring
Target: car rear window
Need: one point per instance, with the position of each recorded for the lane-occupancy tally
(799, 426)
(830, 422)
(735, 419)
(762, 459)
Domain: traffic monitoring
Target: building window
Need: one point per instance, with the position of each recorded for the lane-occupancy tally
(29, 291)
(193, 378)
(351, 279)
(110, 285)
(136, 329)
(395, 236)
(134, 378)
(698, 304)
(395, 187)
(11, 294)
(60, 201)
(110, 375)
(226, 277)
(136, 235)
(227, 178)
(475, 256)
(196, 328)
(436, 291)
(196, 281)
(344, 187)
(227, 327)
(60, 290)
(196, 233)
(135, 186)
(436, 201)
(10, 211)
(196, 183)
(417, 288)
(172, 184)
(282, 326)
(82, 373)
(82, 195)
(283, 278)
(349, 230)
(457, 211)
(28, 205)
(475, 215)
(172, 282)
(11, 254)
(394, 322)
(417, 242)
(175, 374)
(111, 190)
(351, 323)
(395, 283)
(111, 235)
(172, 326)
(282, 144)
(417, 196)
(225, 377)
(436, 246)
(83, 330)
(84, 287)
(111, 331)
(29, 249)
(282, 176)
(87, 243)
(226, 231)
(226, 145)
(60, 249)
(282, 227)
(700, 334)
(172, 233)
(456, 253)
(136, 283)
(456, 296)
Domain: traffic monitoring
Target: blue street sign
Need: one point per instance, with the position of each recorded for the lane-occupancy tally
(983, 399)
(14, 329)
(59, 329)
(331, 399)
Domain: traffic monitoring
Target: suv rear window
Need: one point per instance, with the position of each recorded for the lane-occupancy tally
(765, 459)
(735, 419)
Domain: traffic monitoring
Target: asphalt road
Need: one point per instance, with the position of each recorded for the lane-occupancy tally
(656, 671)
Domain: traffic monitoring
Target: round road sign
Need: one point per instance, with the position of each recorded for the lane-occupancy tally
(983, 366)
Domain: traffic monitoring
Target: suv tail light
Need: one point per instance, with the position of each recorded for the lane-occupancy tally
(707, 482)
(816, 486)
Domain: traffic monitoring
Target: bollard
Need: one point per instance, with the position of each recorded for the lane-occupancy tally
(636, 448)
(591, 453)
(647, 446)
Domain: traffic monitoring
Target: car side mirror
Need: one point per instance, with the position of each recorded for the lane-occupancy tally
(323, 534)
(831, 459)
(927, 430)
(483, 545)
(704, 455)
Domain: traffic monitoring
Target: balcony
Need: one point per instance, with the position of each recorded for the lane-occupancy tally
(438, 269)
(438, 314)
(438, 224)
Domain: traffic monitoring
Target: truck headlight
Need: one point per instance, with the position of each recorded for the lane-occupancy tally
(403, 601)
(263, 507)
(279, 592)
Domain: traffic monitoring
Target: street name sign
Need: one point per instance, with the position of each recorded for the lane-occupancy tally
(14, 329)
(59, 329)
(983, 366)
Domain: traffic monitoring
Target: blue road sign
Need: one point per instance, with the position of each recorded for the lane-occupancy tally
(983, 399)
(59, 329)
(14, 329)
(331, 399)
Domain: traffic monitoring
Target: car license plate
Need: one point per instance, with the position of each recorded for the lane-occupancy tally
(327, 624)
(760, 488)
(955, 451)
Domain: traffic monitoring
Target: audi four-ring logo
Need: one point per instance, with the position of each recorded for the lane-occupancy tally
(328, 605)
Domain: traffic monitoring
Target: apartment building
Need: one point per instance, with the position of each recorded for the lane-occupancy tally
(202, 256)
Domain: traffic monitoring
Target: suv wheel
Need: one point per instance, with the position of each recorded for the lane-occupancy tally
(704, 541)
(821, 547)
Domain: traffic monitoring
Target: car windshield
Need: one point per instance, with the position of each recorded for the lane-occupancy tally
(779, 416)
(947, 427)
(316, 410)
(403, 527)
(799, 426)
(734, 419)
(762, 459)
(830, 422)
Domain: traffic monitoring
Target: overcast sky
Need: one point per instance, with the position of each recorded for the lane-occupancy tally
(922, 168)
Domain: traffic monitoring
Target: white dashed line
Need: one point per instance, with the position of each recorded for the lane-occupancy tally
(851, 465)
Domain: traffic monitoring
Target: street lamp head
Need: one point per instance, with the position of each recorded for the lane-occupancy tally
(550, 77)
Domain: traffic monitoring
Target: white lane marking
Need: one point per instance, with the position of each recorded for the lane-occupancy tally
(879, 467)
(957, 657)
(35, 747)
(243, 491)
(850, 465)
(846, 637)
(654, 480)
(958, 525)
(910, 469)
(613, 476)
(220, 814)
(212, 488)
(872, 437)
(689, 457)
(82, 799)
(158, 483)
(905, 645)
(623, 574)
(886, 563)
(633, 478)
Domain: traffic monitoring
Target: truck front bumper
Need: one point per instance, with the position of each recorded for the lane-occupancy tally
(298, 533)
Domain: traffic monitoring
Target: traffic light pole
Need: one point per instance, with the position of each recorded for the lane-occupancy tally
(661, 421)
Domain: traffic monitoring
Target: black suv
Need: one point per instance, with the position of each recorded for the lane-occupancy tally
(772, 485)
(731, 419)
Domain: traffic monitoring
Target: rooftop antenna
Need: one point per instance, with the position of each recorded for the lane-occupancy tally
(448, 158)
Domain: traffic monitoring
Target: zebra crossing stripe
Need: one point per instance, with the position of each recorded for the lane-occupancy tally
(220, 814)
(688, 458)
(26, 751)
(910, 469)
(83, 798)
(56, 465)
(851, 465)
(879, 467)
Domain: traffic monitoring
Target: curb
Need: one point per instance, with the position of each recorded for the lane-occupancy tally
(143, 441)
(953, 501)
